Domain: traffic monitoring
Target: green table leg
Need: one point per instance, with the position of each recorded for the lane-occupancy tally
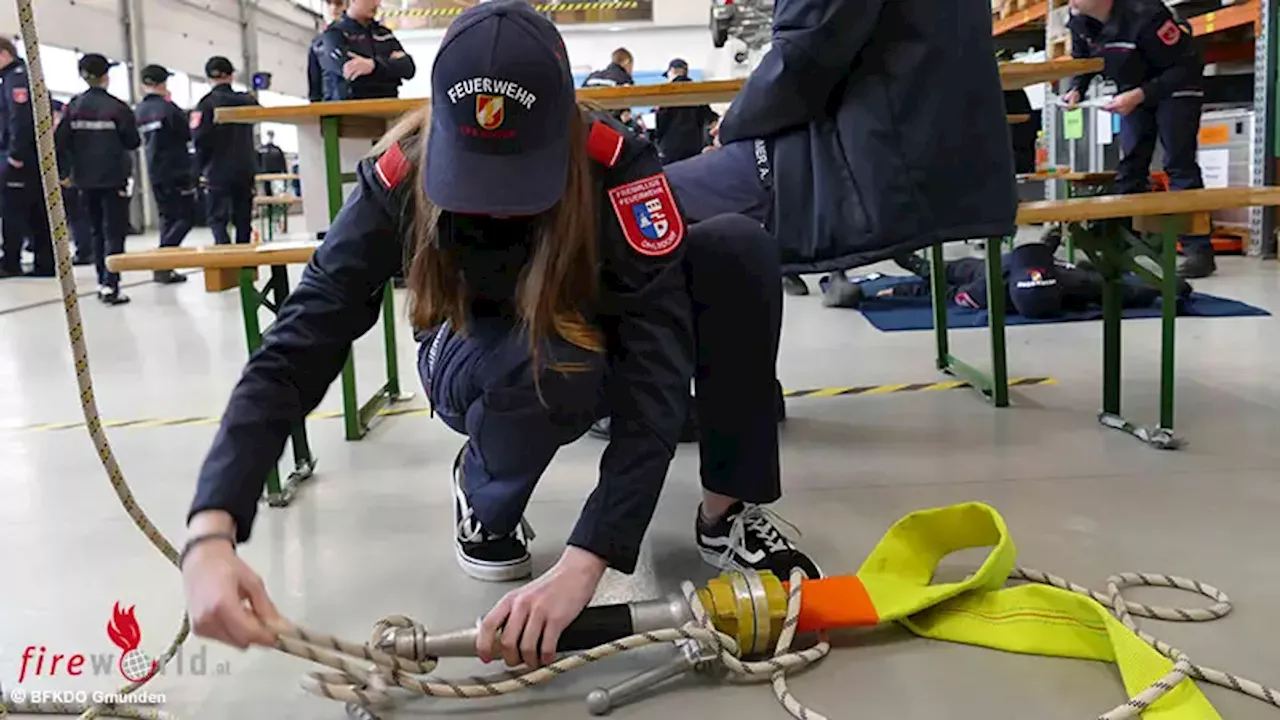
(1168, 318)
(937, 276)
(1111, 316)
(389, 339)
(250, 301)
(995, 323)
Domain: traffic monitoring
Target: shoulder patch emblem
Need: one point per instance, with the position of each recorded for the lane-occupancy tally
(20, 95)
(392, 167)
(196, 117)
(1169, 33)
(647, 212)
(604, 144)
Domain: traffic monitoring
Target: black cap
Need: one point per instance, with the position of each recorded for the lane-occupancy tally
(94, 65)
(218, 67)
(501, 98)
(677, 63)
(155, 74)
(1033, 281)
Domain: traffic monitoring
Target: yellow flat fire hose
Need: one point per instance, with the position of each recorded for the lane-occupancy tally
(1048, 616)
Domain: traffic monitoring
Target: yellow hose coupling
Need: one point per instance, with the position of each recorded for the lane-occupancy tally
(748, 606)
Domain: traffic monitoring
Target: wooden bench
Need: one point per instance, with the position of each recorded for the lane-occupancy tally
(1097, 227)
(271, 205)
(244, 260)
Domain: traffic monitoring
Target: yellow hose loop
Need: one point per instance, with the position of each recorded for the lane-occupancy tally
(75, 329)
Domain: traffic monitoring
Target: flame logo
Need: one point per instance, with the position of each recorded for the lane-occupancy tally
(125, 632)
(490, 111)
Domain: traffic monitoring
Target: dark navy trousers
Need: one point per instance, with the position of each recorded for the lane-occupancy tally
(176, 206)
(481, 384)
(724, 180)
(1175, 122)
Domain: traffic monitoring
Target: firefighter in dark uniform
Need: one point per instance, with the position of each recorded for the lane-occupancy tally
(559, 276)
(617, 72)
(23, 203)
(1158, 69)
(96, 135)
(77, 223)
(315, 73)
(360, 58)
(1037, 285)
(681, 132)
(227, 155)
(166, 131)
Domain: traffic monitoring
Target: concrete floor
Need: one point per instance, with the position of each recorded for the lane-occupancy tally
(370, 536)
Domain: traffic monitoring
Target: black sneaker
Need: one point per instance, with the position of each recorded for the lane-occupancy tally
(112, 296)
(794, 285)
(747, 537)
(483, 555)
(169, 277)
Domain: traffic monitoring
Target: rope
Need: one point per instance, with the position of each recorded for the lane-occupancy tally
(39, 98)
(366, 676)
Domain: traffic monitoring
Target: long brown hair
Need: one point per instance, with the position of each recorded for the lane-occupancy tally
(558, 281)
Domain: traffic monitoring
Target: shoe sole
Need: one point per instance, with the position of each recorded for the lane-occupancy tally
(494, 571)
(715, 558)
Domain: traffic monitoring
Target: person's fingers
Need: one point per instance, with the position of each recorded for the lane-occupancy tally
(530, 635)
(231, 620)
(262, 610)
(208, 624)
(550, 639)
(512, 630)
(486, 639)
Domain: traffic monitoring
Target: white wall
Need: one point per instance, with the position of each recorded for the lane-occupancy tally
(682, 12)
(180, 34)
(589, 47)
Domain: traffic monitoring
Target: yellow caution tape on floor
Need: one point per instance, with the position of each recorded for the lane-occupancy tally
(421, 411)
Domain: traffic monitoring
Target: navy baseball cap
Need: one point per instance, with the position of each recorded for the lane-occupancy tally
(501, 98)
(1033, 281)
(94, 65)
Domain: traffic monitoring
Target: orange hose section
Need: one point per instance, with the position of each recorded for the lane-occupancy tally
(836, 602)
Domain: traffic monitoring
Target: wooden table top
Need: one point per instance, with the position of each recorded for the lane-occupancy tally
(1073, 176)
(259, 200)
(272, 177)
(215, 257)
(1179, 202)
(1013, 75)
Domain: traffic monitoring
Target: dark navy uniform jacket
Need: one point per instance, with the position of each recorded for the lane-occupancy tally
(643, 309)
(347, 37)
(166, 132)
(852, 97)
(226, 152)
(1143, 44)
(96, 135)
(611, 76)
(18, 135)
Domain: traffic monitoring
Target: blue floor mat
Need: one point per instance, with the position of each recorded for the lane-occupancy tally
(892, 314)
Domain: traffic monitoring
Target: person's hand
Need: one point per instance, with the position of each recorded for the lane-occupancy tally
(1071, 99)
(532, 618)
(226, 600)
(15, 163)
(1126, 102)
(397, 54)
(355, 67)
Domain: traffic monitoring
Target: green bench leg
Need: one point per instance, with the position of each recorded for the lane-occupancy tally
(1161, 436)
(356, 417)
(278, 495)
(1168, 324)
(996, 386)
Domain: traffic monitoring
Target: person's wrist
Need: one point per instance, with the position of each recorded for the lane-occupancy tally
(585, 562)
(211, 521)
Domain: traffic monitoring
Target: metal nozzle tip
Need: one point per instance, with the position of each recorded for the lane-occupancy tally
(598, 702)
